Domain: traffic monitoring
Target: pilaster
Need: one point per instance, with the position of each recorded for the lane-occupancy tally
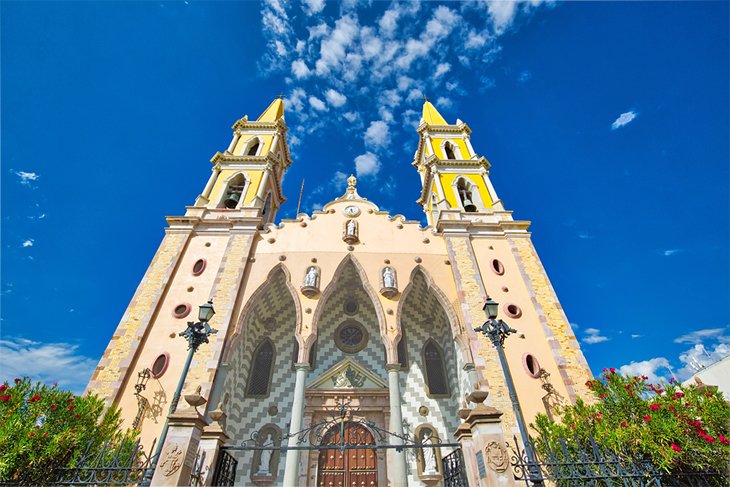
(181, 447)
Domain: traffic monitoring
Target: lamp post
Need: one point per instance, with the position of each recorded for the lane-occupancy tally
(196, 334)
(497, 330)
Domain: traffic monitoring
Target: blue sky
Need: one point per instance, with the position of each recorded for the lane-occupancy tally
(606, 124)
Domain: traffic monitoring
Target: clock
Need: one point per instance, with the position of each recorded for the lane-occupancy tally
(351, 211)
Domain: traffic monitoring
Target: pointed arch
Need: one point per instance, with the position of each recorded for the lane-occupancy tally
(253, 146)
(451, 150)
(238, 183)
(464, 183)
(332, 287)
(258, 383)
(279, 271)
(434, 369)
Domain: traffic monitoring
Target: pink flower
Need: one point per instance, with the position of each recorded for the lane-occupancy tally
(45, 435)
(31, 434)
(644, 377)
(654, 407)
(5, 398)
(603, 396)
(572, 426)
(708, 438)
(671, 408)
(3, 387)
(708, 395)
(613, 370)
(724, 440)
(53, 407)
(16, 380)
(35, 398)
(676, 448)
(71, 408)
(623, 424)
(647, 418)
(679, 394)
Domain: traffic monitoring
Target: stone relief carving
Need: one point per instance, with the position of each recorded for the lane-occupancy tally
(497, 457)
(171, 459)
(348, 378)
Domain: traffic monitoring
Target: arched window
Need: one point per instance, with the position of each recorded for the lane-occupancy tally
(449, 150)
(252, 146)
(262, 365)
(437, 384)
(466, 195)
(234, 192)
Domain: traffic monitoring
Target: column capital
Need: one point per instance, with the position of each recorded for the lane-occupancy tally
(302, 366)
(392, 367)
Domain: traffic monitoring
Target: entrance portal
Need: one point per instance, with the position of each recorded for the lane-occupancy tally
(353, 467)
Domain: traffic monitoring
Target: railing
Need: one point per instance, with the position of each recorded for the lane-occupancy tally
(573, 462)
(453, 469)
(122, 464)
(225, 469)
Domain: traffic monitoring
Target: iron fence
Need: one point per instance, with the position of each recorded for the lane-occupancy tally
(225, 469)
(122, 464)
(453, 469)
(575, 462)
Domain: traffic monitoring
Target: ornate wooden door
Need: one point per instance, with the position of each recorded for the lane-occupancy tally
(355, 467)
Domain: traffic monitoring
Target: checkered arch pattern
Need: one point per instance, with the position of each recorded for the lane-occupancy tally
(422, 318)
(272, 316)
(348, 285)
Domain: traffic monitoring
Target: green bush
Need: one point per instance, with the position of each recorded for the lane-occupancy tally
(678, 428)
(44, 428)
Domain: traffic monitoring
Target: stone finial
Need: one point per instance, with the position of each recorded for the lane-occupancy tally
(195, 399)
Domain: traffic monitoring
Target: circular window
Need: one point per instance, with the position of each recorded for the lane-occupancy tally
(497, 267)
(350, 307)
(159, 366)
(181, 310)
(199, 267)
(351, 336)
(532, 366)
(512, 310)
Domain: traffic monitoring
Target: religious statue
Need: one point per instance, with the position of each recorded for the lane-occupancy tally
(350, 232)
(310, 280)
(265, 463)
(429, 454)
(388, 278)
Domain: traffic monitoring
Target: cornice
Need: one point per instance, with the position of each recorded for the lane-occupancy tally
(244, 124)
(444, 129)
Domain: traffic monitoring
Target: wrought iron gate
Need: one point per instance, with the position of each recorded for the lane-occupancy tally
(453, 469)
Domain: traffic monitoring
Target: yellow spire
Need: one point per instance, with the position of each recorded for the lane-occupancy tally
(274, 112)
(432, 116)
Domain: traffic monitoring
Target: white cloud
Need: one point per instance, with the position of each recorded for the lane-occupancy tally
(47, 362)
(377, 135)
(636, 336)
(670, 252)
(389, 21)
(585, 236)
(444, 102)
(699, 357)
(351, 116)
(26, 177)
(649, 368)
(313, 6)
(296, 99)
(524, 76)
(300, 69)
(317, 104)
(339, 180)
(623, 119)
(501, 12)
(593, 335)
(28, 243)
(367, 164)
(334, 48)
(441, 70)
(335, 98)
(698, 336)
(475, 40)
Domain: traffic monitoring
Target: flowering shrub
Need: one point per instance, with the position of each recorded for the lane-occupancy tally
(43, 428)
(677, 427)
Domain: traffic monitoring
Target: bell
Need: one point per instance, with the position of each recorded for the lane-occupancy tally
(469, 206)
(232, 200)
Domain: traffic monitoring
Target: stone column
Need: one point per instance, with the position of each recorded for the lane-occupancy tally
(213, 438)
(262, 185)
(397, 465)
(181, 446)
(291, 470)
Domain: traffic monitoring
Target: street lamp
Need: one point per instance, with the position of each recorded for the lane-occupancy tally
(497, 330)
(196, 334)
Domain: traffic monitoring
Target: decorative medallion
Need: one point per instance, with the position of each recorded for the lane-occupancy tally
(349, 378)
(351, 211)
(497, 458)
(351, 336)
(172, 459)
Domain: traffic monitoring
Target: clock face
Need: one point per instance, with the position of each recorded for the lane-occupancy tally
(352, 211)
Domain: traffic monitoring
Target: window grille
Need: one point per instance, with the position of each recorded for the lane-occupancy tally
(260, 376)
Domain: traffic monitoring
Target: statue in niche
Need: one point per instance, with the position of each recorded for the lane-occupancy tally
(266, 456)
(429, 454)
(350, 232)
(390, 286)
(310, 286)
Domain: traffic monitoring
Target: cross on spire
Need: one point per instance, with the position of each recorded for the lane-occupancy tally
(425, 98)
(280, 96)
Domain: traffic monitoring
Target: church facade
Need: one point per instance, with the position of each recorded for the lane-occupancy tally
(348, 325)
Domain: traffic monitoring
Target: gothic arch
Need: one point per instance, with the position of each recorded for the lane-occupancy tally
(279, 271)
(254, 141)
(227, 183)
(332, 287)
(455, 150)
(457, 330)
(472, 187)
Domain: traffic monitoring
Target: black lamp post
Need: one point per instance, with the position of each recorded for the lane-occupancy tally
(196, 334)
(497, 330)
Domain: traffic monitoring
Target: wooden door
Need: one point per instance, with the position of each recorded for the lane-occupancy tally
(355, 467)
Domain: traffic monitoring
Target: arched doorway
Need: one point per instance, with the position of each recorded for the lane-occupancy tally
(355, 467)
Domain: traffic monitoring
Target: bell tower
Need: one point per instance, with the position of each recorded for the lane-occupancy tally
(453, 176)
(249, 173)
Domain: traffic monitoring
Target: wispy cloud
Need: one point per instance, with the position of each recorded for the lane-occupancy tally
(524, 76)
(623, 119)
(585, 236)
(47, 362)
(28, 243)
(593, 335)
(699, 336)
(670, 252)
(26, 177)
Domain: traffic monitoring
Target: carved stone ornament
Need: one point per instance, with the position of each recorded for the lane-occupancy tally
(389, 284)
(310, 285)
(348, 378)
(497, 457)
(172, 458)
(350, 234)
